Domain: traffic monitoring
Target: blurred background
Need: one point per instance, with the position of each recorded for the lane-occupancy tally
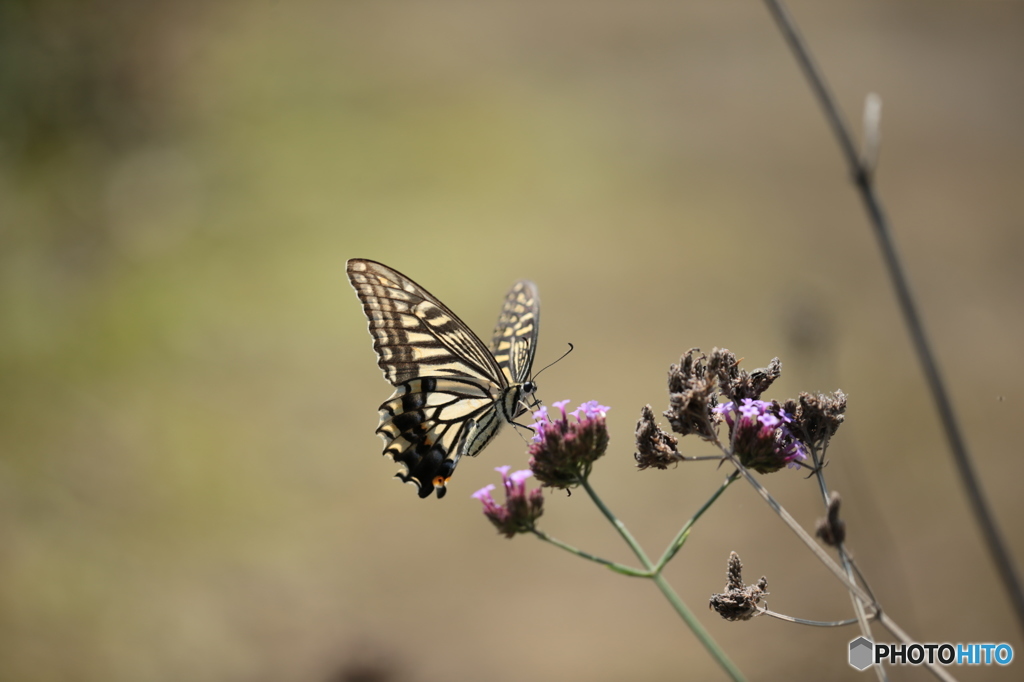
(190, 484)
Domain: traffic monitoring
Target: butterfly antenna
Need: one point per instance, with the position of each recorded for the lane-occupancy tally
(555, 362)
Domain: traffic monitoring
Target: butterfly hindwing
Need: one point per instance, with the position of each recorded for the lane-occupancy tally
(451, 394)
(430, 422)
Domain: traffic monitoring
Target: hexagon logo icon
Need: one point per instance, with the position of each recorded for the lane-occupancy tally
(861, 650)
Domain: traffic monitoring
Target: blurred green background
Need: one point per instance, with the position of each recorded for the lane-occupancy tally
(190, 485)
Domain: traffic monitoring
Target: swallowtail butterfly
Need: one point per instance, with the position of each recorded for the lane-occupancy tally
(452, 393)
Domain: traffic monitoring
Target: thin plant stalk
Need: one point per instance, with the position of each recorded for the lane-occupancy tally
(618, 568)
(858, 605)
(804, 536)
(863, 177)
(677, 603)
(855, 590)
(892, 627)
(803, 621)
(684, 532)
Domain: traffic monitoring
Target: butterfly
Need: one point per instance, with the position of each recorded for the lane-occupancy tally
(452, 393)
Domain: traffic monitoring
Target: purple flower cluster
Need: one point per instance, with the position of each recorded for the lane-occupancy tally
(562, 452)
(760, 435)
(521, 510)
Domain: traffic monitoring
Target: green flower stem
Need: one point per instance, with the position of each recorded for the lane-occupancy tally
(698, 630)
(684, 612)
(619, 525)
(618, 568)
(680, 539)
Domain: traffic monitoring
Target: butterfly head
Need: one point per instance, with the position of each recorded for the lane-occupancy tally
(524, 400)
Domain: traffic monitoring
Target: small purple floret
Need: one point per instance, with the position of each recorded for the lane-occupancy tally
(521, 510)
(591, 410)
(484, 493)
(517, 477)
(562, 451)
(760, 436)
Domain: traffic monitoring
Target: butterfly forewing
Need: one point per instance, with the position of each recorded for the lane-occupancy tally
(415, 334)
(515, 336)
(451, 393)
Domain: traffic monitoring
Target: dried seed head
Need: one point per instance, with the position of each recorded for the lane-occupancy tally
(817, 417)
(734, 576)
(832, 529)
(737, 384)
(691, 397)
(738, 602)
(655, 448)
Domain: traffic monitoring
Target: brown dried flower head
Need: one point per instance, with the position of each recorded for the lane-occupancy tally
(655, 448)
(832, 529)
(692, 397)
(817, 417)
(738, 384)
(739, 601)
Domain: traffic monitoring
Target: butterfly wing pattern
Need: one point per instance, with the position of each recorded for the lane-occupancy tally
(515, 336)
(452, 394)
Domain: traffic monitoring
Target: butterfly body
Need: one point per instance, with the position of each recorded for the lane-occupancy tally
(452, 393)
